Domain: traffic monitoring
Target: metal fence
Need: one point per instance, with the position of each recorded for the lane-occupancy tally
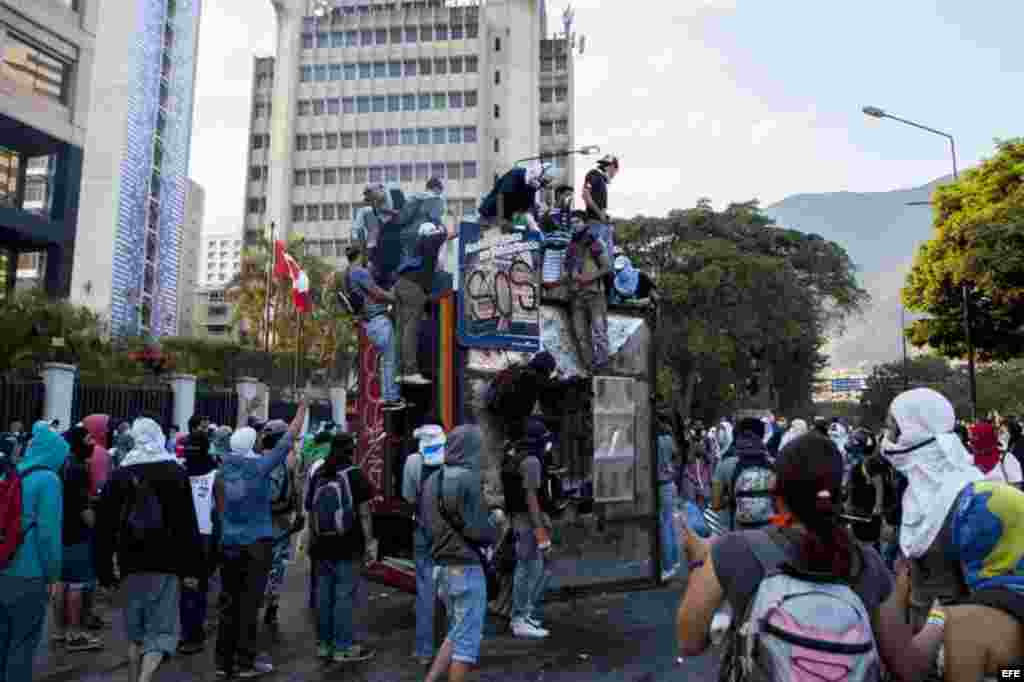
(123, 402)
(220, 406)
(20, 401)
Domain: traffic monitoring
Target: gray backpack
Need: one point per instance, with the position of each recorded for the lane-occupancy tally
(799, 628)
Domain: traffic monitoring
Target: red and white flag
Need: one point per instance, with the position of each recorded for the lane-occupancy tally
(286, 267)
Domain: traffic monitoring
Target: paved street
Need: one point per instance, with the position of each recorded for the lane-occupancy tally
(606, 638)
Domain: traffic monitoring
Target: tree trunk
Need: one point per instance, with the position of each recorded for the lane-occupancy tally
(684, 398)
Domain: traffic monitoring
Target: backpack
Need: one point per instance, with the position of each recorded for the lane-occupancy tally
(799, 627)
(12, 534)
(333, 509)
(753, 491)
(351, 300)
(143, 515)
(282, 498)
(502, 389)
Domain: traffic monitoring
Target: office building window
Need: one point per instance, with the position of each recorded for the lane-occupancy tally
(254, 205)
(497, 146)
(334, 72)
(457, 32)
(320, 72)
(454, 170)
(562, 126)
(307, 41)
(437, 169)
(366, 37)
(469, 170)
(396, 35)
(394, 103)
(546, 64)
(351, 71)
(351, 38)
(426, 67)
(441, 32)
(312, 213)
(380, 36)
(423, 136)
(337, 39)
(545, 95)
(319, 107)
(323, 40)
(333, 106)
(426, 33)
(440, 66)
(497, 111)
(330, 176)
(391, 174)
(376, 174)
(344, 211)
(497, 77)
(438, 137)
(344, 176)
(304, 107)
(405, 172)
(309, 23)
(472, 31)
(380, 103)
(424, 101)
(469, 134)
(392, 137)
(363, 140)
(376, 138)
(365, 70)
(561, 93)
(546, 128)
(410, 67)
(327, 213)
(347, 140)
(255, 173)
(363, 104)
(259, 110)
(316, 141)
(456, 64)
(408, 136)
(471, 99)
(305, 73)
(472, 64)
(497, 44)
(315, 177)
(440, 101)
(348, 105)
(422, 171)
(298, 213)
(561, 63)
(380, 69)
(411, 34)
(257, 142)
(409, 102)
(455, 136)
(301, 142)
(395, 69)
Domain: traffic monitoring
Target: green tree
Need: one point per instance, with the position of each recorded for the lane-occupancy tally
(927, 371)
(978, 241)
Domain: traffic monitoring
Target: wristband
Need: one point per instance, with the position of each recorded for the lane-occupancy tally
(936, 617)
(694, 565)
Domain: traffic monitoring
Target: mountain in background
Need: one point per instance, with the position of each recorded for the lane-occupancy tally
(881, 233)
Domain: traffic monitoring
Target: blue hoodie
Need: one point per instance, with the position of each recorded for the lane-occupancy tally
(42, 510)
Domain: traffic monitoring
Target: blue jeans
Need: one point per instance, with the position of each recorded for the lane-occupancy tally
(463, 589)
(340, 591)
(424, 603)
(22, 615)
(381, 333)
(666, 526)
(529, 583)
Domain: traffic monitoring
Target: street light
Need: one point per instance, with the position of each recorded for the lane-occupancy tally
(875, 112)
(583, 151)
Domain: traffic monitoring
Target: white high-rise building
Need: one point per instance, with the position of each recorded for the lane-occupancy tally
(188, 262)
(377, 91)
(221, 258)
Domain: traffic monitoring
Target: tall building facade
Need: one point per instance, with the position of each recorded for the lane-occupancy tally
(397, 92)
(221, 258)
(188, 258)
(135, 174)
(47, 54)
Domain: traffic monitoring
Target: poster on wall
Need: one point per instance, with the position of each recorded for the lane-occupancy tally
(499, 292)
(614, 439)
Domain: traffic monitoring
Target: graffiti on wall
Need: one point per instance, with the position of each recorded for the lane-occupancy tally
(372, 436)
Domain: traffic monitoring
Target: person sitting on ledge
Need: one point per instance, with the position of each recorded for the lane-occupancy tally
(631, 285)
(516, 195)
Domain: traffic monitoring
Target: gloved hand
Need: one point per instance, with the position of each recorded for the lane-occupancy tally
(543, 539)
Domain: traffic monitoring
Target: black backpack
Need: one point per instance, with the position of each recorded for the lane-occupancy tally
(502, 389)
(143, 514)
(282, 498)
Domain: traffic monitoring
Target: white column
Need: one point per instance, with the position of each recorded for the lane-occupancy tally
(339, 403)
(184, 387)
(59, 392)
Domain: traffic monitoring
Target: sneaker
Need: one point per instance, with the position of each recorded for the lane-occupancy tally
(96, 623)
(270, 616)
(324, 650)
(525, 630)
(416, 378)
(423, 661)
(669, 574)
(59, 637)
(535, 622)
(83, 642)
(247, 673)
(394, 404)
(191, 648)
(263, 666)
(354, 654)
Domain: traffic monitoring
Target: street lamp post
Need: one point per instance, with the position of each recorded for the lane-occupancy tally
(583, 151)
(875, 112)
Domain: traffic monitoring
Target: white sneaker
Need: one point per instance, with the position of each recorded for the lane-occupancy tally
(669, 574)
(535, 623)
(524, 629)
(417, 378)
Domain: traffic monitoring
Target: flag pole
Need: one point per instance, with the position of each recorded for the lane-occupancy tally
(298, 343)
(270, 270)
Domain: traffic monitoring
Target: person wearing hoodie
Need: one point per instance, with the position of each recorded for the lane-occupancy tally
(148, 522)
(220, 444)
(795, 430)
(242, 492)
(460, 527)
(35, 567)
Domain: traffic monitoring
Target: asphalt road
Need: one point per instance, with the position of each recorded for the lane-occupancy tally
(626, 637)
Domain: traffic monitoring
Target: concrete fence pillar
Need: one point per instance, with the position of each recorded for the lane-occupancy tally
(184, 388)
(59, 392)
(339, 407)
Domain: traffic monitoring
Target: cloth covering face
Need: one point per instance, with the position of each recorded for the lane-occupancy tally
(796, 429)
(934, 461)
(150, 444)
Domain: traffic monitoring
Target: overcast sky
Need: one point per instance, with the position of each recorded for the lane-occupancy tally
(729, 99)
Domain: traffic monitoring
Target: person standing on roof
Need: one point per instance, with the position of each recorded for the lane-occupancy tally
(595, 199)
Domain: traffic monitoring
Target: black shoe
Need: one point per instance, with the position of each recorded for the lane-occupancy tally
(191, 648)
(394, 405)
(270, 616)
(95, 623)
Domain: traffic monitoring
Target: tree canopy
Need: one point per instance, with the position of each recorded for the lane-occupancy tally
(927, 371)
(740, 294)
(978, 241)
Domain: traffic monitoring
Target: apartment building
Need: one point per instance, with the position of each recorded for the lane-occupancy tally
(188, 261)
(135, 173)
(398, 92)
(214, 316)
(221, 259)
(47, 53)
